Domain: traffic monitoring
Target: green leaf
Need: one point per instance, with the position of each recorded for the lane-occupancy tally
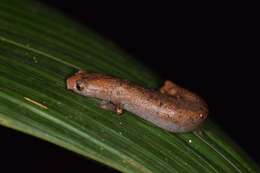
(40, 48)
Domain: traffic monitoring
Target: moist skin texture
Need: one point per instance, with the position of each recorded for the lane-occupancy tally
(173, 108)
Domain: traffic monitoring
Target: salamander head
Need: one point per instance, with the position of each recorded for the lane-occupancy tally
(74, 82)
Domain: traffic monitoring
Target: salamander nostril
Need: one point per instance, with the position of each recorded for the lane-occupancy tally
(79, 85)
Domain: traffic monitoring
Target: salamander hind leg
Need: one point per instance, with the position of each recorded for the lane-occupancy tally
(169, 88)
(107, 105)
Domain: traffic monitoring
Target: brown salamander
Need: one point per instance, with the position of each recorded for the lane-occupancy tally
(173, 108)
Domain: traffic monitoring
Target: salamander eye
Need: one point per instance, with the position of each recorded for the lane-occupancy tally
(79, 85)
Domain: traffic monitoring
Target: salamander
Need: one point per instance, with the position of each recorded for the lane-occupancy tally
(172, 108)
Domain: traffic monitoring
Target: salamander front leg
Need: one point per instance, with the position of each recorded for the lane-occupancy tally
(107, 105)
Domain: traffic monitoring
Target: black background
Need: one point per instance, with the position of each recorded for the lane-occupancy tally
(211, 53)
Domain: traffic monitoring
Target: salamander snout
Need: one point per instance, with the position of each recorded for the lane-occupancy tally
(73, 83)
